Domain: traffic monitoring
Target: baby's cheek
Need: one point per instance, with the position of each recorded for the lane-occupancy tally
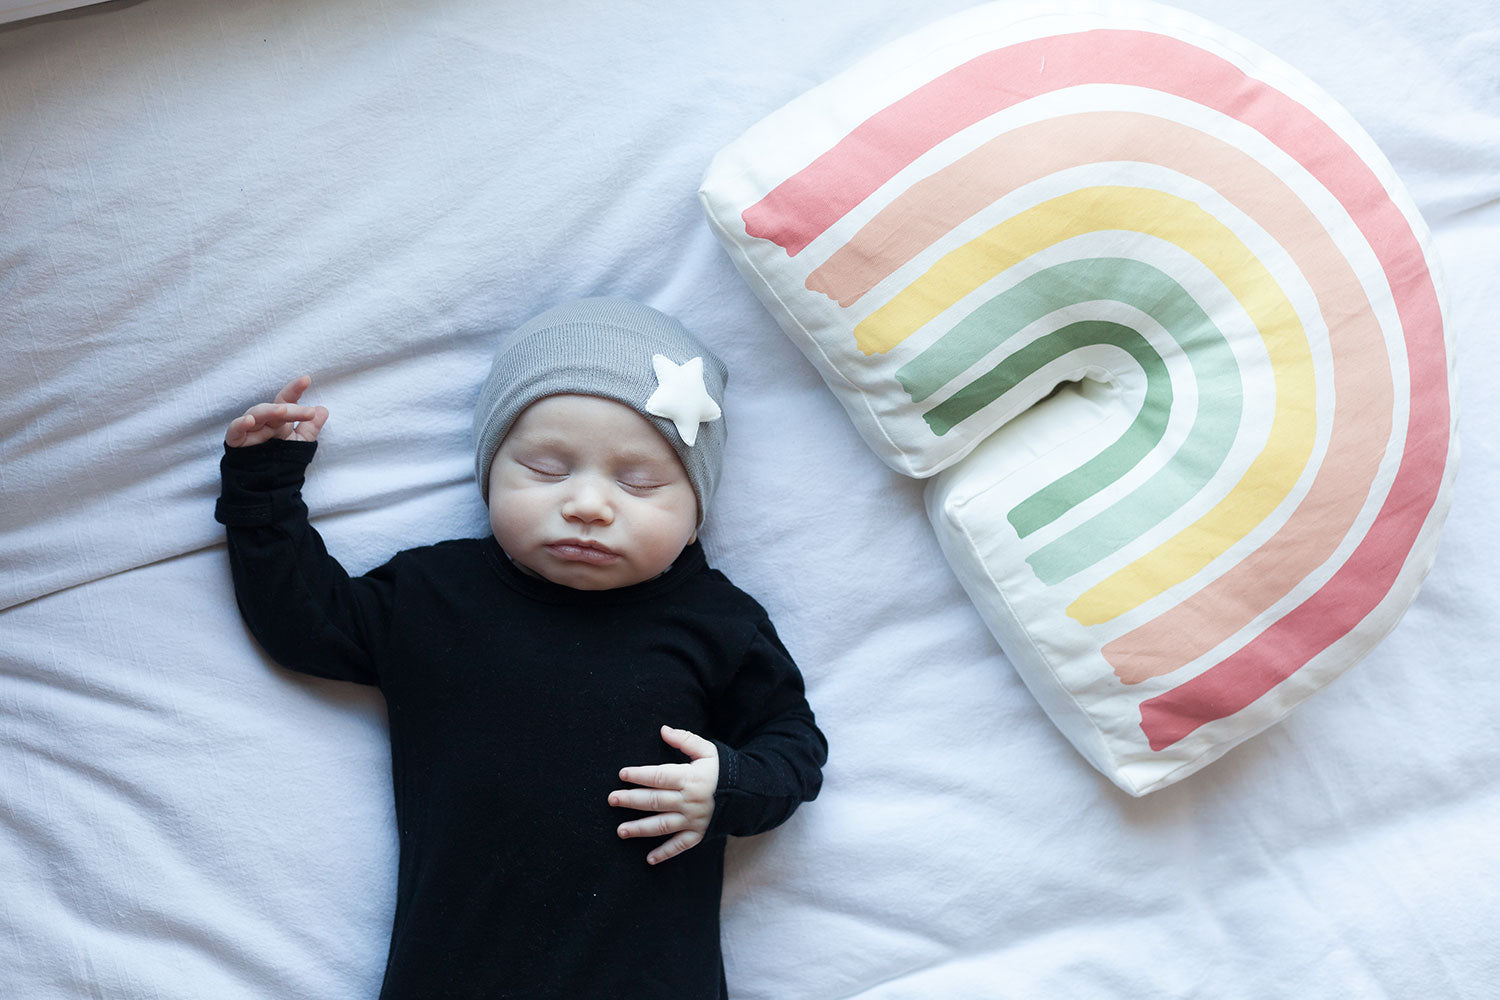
(664, 540)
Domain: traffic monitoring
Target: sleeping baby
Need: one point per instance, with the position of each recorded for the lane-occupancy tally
(582, 660)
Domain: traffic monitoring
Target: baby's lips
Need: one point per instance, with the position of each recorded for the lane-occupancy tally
(579, 550)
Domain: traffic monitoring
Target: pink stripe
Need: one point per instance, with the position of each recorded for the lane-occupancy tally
(1362, 385)
(1359, 585)
(803, 207)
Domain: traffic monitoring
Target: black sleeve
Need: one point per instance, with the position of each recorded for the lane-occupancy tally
(299, 603)
(772, 754)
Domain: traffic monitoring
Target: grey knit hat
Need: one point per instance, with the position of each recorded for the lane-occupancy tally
(620, 350)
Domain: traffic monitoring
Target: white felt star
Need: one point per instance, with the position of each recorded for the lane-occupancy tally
(681, 397)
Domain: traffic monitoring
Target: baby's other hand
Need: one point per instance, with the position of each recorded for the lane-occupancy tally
(681, 796)
(281, 418)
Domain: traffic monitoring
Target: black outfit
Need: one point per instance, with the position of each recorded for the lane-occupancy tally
(513, 704)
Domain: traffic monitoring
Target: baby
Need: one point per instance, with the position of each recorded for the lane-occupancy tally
(522, 670)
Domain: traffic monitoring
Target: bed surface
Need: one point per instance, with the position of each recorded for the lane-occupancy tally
(199, 201)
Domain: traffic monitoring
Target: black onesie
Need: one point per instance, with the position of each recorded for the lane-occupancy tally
(513, 704)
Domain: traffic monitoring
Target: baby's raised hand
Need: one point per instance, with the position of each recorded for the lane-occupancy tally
(680, 795)
(281, 418)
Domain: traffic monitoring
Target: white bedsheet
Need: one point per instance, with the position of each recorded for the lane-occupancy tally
(199, 200)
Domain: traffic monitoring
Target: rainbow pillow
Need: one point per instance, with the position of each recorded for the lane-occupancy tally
(1162, 325)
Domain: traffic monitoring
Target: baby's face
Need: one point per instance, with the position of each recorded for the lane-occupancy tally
(586, 493)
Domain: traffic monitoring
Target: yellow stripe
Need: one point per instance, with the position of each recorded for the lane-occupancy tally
(1270, 476)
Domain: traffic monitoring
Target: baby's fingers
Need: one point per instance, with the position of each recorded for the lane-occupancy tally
(656, 775)
(307, 430)
(646, 799)
(294, 389)
(252, 428)
(653, 826)
(239, 428)
(674, 847)
(267, 420)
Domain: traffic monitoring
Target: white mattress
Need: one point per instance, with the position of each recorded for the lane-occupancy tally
(200, 200)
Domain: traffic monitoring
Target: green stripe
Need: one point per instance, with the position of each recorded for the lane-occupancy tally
(1215, 370)
(1108, 465)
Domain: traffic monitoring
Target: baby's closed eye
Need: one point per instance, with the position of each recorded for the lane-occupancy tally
(545, 467)
(641, 474)
(641, 484)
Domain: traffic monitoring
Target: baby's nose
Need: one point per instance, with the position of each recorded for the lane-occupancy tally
(588, 502)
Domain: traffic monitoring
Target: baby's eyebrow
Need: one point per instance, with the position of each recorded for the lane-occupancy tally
(546, 441)
(638, 455)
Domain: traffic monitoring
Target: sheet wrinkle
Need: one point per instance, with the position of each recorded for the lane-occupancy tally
(163, 560)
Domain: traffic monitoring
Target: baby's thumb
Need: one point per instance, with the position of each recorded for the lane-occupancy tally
(695, 746)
